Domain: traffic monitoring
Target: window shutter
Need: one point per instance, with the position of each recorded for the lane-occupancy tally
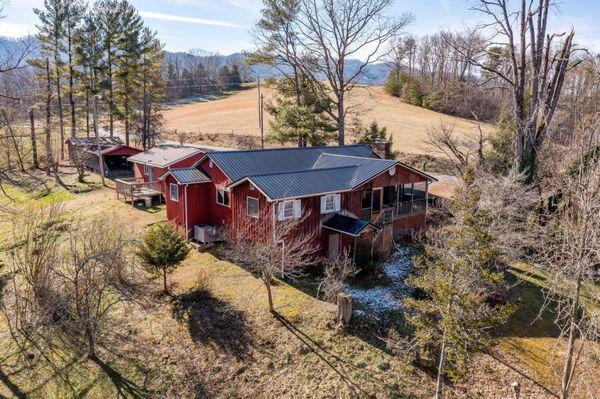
(297, 208)
(280, 211)
(337, 199)
(323, 202)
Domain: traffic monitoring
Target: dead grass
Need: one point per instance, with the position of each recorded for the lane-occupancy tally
(215, 339)
(238, 113)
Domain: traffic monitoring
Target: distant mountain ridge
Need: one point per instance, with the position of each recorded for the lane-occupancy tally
(374, 74)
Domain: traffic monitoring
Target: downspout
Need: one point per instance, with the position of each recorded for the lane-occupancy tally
(187, 231)
(426, 195)
(279, 242)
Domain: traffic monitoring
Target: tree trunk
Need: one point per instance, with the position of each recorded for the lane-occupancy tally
(568, 365)
(61, 122)
(91, 349)
(87, 113)
(49, 160)
(14, 140)
(110, 90)
(165, 288)
(126, 117)
(344, 310)
(440, 374)
(341, 122)
(269, 296)
(34, 155)
(71, 83)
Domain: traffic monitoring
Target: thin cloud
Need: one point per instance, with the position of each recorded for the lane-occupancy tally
(190, 20)
(243, 4)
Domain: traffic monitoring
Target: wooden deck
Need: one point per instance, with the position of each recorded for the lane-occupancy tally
(133, 189)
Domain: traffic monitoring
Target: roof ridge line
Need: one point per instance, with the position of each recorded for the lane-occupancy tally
(287, 148)
(299, 171)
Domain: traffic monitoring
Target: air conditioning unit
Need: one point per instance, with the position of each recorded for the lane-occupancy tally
(206, 233)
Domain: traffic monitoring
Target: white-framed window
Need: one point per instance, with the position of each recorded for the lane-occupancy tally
(174, 192)
(290, 209)
(252, 207)
(147, 170)
(287, 210)
(222, 197)
(251, 186)
(330, 203)
(210, 163)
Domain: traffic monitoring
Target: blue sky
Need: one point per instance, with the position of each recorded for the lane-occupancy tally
(223, 25)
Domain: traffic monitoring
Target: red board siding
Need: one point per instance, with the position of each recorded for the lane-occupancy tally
(217, 215)
(124, 151)
(202, 206)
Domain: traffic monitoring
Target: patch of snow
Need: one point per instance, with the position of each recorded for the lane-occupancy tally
(379, 299)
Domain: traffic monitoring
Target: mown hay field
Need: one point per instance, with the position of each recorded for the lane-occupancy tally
(238, 114)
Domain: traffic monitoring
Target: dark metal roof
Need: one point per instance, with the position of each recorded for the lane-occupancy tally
(278, 186)
(366, 168)
(346, 224)
(164, 155)
(188, 175)
(330, 173)
(239, 164)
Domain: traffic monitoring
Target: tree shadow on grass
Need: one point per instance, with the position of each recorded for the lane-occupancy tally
(528, 320)
(12, 387)
(342, 367)
(214, 322)
(125, 387)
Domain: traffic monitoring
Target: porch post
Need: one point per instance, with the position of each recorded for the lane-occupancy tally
(426, 195)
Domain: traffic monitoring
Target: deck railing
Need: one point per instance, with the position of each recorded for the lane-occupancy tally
(136, 187)
(386, 216)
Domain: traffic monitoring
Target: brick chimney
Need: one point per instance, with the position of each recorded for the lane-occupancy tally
(381, 149)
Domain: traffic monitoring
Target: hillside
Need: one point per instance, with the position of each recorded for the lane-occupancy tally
(238, 114)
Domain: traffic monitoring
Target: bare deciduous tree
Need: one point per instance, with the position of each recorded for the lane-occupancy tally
(571, 254)
(336, 273)
(329, 33)
(284, 252)
(533, 69)
(442, 141)
(94, 256)
(65, 277)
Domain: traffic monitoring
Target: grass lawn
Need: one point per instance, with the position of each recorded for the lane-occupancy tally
(215, 339)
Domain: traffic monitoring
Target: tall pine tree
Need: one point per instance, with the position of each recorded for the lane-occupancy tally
(51, 34)
(300, 118)
(128, 62)
(74, 12)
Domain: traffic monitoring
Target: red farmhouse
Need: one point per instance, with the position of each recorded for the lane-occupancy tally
(343, 193)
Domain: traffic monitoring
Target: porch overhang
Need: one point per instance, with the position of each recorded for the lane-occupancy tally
(347, 225)
(186, 176)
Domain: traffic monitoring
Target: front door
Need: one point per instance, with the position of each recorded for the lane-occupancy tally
(334, 246)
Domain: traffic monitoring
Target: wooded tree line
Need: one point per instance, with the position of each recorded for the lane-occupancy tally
(89, 68)
(198, 73)
(105, 59)
(428, 72)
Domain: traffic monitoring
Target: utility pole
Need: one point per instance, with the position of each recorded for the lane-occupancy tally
(97, 133)
(260, 114)
(261, 120)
